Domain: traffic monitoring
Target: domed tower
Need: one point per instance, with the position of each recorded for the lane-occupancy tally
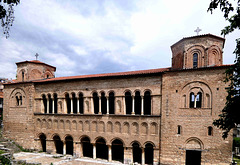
(197, 51)
(34, 70)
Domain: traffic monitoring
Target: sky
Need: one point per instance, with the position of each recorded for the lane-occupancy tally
(82, 37)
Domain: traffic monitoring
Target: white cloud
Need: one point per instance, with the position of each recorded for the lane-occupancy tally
(117, 34)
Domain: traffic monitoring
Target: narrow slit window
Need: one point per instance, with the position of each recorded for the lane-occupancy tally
(195, 60)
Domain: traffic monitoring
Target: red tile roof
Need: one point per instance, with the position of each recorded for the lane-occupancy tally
(139, 72)
(36, 62)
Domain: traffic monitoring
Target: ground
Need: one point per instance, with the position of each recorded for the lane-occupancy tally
(20, 156)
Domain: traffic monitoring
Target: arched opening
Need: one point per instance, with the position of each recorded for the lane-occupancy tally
(50, 103)
(55, 99)
(69, 145)
(58, 144)
(101, 149)
(195, 60)
(68, 101)
(199, 100)
(81, 103)
(147, 103)
(111, 103)
(44, 103)
(117, 150)
(87, 147)
(96, 102)
(148, 150)
(137, 103)
(137, 153)
(42, 138)
(128, 101)
(210, 131)
(103, 103)
(192, 100)
(74, 103)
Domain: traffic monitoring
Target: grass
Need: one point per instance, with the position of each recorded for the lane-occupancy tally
(237, 160)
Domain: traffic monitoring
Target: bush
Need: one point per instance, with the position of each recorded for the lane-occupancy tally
(236, 142)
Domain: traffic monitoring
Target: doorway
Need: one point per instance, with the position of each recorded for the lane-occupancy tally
(193, 157)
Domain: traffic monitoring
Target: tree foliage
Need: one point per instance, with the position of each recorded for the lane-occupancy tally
(230, 116)
(7, 14)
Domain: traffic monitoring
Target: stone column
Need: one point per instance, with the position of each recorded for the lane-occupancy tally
(71, 106)
(94, 151)
(80, 150)
(92, 106)
(77, 146)
(143, 156)
(42, 106)
(109, 153)
(128, 158)
(133, 109)
(78, 105)
(195, 101)
(50, 146)
(107, 105)
(64, 148)
(100, 103)
(124, 106)
(142, 107)
(53, 111)
(47, 105)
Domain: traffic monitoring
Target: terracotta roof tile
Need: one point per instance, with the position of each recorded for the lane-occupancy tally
(139, 72)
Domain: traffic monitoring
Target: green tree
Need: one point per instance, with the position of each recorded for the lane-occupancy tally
(230, 116)
(7, 14)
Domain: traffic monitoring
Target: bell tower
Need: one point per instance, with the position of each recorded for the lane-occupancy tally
(197, 51)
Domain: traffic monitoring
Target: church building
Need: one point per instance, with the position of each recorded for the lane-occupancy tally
(157, 116)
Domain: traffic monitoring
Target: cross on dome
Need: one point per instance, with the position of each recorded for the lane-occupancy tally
(36, 56)
(197, 30)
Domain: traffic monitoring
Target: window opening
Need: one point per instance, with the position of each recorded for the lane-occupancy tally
(147, 103)
(111, 103)
(192, 100)
(199, 100)
(128, 101)
(195, 60)
(103, 103)
(210, 131)
(179, 130)
(96, 102)
(137, 103)
(81, 103)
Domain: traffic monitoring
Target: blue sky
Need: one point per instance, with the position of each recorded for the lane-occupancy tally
(96, 36)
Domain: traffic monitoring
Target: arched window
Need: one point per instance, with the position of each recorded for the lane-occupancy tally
(111, 103)
(103, 103)
(74, 101)
(195, 60)
(50, 104)
(147, 103)
(179, 130)
(199, 100)
(44, 103)
(55, 99)
(96, 102)
(81, 107)
(137, 103)
(128, 102)
(68, 101)
(210, 131)
(192, 100)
